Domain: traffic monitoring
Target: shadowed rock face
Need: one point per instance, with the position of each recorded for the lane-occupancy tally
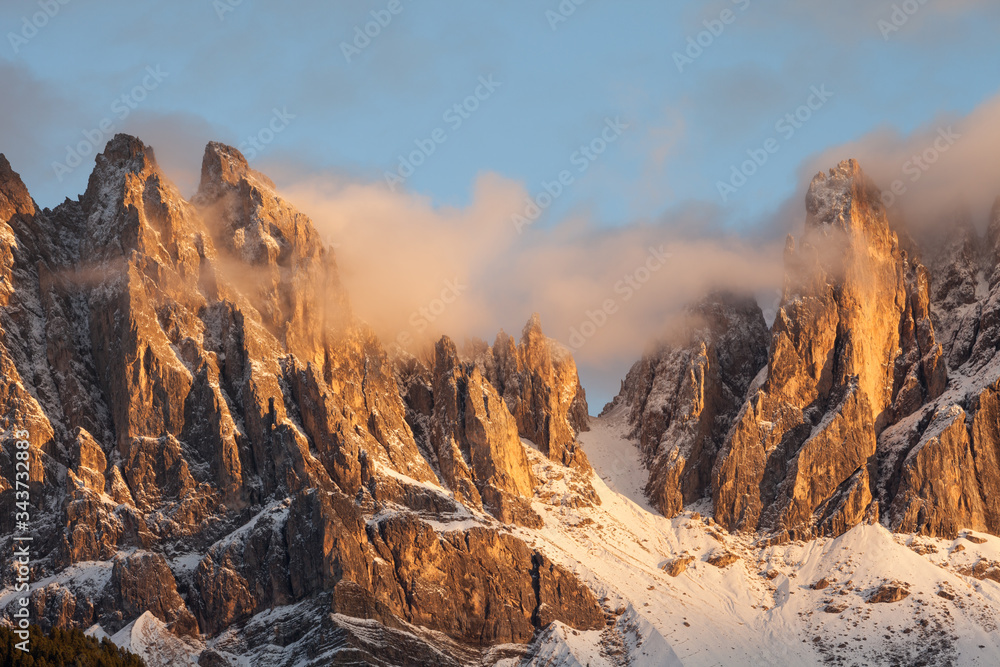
(539, 382)
(470, 411)
(476, 441)
(852, 350)
(682, 399)
(216, 432)
(856, 415)
(145, 583)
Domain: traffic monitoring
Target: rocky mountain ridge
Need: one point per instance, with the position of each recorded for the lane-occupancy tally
(198, 391)
(227, 466)
(872, 398)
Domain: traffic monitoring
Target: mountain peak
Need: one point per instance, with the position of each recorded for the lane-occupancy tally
(833, 194)
(5, 169)
(123, 155)
(13, 193)
(128, 149)
(848, 168)
(532, 328)
(224, 165)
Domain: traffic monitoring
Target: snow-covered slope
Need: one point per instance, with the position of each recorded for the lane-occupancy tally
(763, 607)
(148, 637)
(228, 468)
(737, 602)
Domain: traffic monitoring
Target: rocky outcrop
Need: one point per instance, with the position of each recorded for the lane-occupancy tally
(29, 399)
(212, 428)
(860, 413)
(985, 445)
(538, 381)
(471, 409)
(852, 350)
(678, 566)
(143, 582)
(939, 469)
(89, 464)
(284, 267)
(478, 585)
(938, 491)
(496, 591)
(682, 399)
(889, 593)
(476, 440)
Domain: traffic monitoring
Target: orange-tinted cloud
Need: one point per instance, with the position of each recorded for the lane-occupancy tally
(926, 175)
(605, 292)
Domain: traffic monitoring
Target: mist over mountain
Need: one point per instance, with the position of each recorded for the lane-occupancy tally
(227, 463)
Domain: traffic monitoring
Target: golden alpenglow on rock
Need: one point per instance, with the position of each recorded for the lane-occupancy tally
(309, 367)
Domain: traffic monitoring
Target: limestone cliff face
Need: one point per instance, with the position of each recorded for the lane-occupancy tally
(682, 399)
(196, 388)
(476, 441)
(851, 347)
(538, 380)
(471, 409)
(938, 489)
(940, 468)
(859, 413)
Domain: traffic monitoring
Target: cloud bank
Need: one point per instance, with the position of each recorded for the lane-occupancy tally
(943, 166)
(416, 271)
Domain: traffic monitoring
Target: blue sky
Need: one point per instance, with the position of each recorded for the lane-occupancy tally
(226, 66)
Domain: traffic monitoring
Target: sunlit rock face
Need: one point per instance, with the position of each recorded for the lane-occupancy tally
(682, 398)
(471, 410)
(216, 434)
(851, 343)
(538, 380)
(859, 411)
(221, 451)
